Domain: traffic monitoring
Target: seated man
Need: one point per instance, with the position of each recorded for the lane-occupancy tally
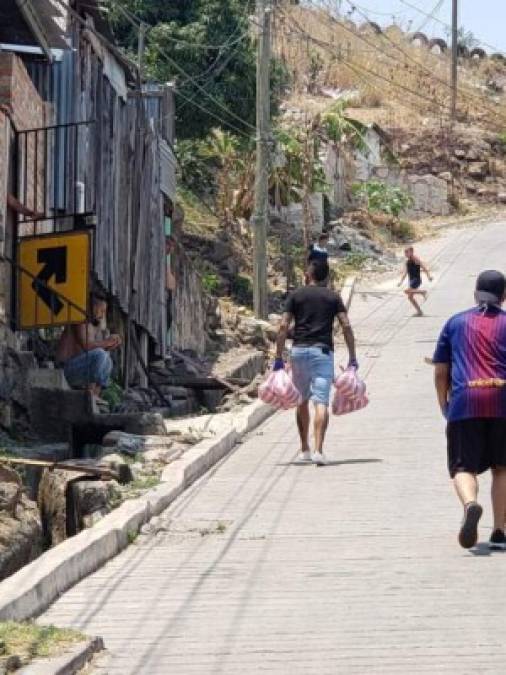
(84, 355)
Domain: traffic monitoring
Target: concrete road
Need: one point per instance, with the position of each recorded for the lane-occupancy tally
(352, 568)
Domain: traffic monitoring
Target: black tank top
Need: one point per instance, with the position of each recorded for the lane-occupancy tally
(414, 270)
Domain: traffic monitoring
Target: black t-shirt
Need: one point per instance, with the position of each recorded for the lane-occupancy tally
(317, 253)
(314, 309)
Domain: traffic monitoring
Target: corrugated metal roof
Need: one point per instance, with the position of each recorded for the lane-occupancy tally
(15, 29)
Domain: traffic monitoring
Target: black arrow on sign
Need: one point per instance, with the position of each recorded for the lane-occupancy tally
(55, 265)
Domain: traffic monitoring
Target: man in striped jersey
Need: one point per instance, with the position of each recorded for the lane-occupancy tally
(470, 378)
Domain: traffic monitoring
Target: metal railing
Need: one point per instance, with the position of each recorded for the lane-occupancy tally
(55, 176)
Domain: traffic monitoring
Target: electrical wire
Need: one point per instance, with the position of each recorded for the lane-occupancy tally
(331, 49)
(211, 113)
(376, 13)
(430, 17)
(173, 63)
(447, 25)
(426, 71)
(137, 21)
(189, 78)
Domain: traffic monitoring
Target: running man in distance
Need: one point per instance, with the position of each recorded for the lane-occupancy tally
(413, 270)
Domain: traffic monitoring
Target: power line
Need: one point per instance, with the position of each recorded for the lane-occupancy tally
(189, 78)
(426, 71)
(447, 25)
(137, 21)
(376, 13)
(331, 49)
(430, 17)
(430, 73)
(211, 113)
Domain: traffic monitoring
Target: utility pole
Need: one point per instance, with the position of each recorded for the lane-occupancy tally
(455, 55)
(261, 210)
(141, 45)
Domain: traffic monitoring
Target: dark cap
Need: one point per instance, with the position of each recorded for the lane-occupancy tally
(490, 287)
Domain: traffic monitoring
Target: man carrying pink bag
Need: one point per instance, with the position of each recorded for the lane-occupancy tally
(313, 310)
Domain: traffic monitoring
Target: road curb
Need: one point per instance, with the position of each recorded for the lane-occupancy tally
(67, 664)
(31, 590)
(347, 291)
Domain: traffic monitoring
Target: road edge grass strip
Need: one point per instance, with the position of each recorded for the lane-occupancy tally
(25, 641)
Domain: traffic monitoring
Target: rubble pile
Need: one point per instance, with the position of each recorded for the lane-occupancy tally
(472, 158)
(21, 539)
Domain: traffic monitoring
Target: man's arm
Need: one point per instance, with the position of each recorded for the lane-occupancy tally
(16, 205)
(284, 327)
(425, 269)
(349, 336)
(81, 334)
(442, 382)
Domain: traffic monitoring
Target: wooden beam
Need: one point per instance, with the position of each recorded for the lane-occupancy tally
(65, 466)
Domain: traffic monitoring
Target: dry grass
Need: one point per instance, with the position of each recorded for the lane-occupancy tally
(380, 57)
(29, 640)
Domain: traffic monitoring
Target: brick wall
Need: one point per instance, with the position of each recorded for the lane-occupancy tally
(18, 94)
(26, 110)
(4, 136)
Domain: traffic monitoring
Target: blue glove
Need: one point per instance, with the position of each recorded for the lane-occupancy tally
(353, 363)
(279, 364)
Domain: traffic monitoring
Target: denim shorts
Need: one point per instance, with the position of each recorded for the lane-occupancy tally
(313, 373)
(92, 367)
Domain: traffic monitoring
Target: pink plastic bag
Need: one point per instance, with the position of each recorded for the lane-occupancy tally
(350, 394)
(279, 391)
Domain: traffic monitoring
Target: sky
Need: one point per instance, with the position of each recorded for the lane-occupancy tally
(486, 19)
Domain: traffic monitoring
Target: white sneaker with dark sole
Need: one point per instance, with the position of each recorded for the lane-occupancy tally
(319, 459)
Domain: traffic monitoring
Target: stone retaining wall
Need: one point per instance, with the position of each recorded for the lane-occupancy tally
(429, 193)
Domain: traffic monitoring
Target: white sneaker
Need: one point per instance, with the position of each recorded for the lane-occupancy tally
(319, 458)
(303, 457)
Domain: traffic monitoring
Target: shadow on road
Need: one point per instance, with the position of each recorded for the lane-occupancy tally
(340, 462)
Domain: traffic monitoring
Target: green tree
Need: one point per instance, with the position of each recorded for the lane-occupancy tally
(211, 41)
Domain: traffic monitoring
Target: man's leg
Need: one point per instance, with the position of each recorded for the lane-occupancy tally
(301, 379)
(99, 370)
(466, 487)
(467, 441)
(321, 422)
(410, 295)
(321, 383)
(302, 416)
(499, 496)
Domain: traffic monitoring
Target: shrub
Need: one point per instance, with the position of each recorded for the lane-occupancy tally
(501, 139)
(242, 289)
(210, 283)
(383, 198)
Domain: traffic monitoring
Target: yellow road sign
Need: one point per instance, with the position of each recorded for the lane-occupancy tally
(53, 278)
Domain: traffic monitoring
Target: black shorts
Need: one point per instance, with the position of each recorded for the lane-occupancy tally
(415, 283)
(475, 445)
